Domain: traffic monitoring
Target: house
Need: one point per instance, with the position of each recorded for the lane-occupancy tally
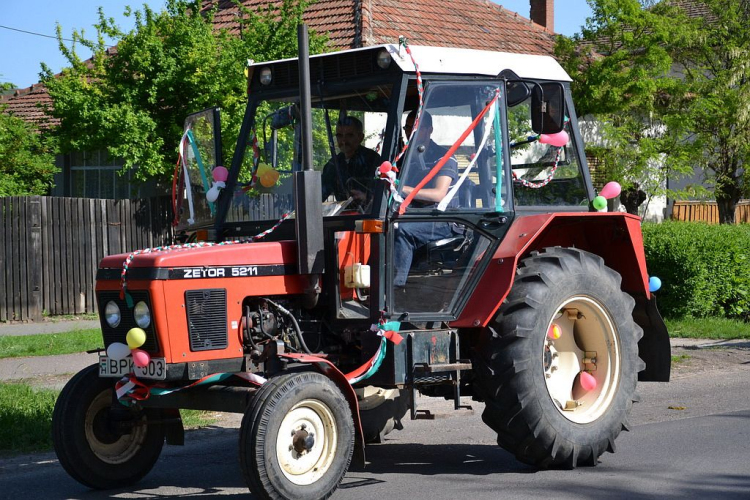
(478, 24)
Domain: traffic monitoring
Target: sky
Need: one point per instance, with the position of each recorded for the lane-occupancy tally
(21, 53)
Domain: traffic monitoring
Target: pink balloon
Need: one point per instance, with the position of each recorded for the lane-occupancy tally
(140, 358)
(587, 381)
(559, 139)
(610, 190)
(220, 174)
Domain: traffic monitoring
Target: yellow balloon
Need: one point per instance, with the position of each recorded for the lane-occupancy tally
(135, 337)
(267, 175)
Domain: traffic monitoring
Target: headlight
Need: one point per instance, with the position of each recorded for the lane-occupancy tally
(266, 76)
(142, 315)
(112, 314)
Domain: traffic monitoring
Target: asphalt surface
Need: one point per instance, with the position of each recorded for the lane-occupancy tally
(689, 439)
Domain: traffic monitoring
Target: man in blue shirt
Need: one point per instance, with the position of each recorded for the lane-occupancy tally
(352, 172)
(411, 235)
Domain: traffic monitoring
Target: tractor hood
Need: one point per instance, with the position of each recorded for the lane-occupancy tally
(238, 254)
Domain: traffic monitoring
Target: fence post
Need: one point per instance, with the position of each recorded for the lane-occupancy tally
(34, 250)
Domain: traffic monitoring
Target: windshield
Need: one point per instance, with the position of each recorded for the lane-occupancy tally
(347, 134)
(196, 170)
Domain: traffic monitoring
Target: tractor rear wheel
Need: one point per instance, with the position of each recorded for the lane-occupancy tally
(90, 438)
(560, 373)
(296, 438)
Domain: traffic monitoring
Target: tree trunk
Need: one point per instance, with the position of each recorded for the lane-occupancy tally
(726, 209)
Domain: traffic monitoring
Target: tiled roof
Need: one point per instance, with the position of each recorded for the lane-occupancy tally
(471, 24)
(479, 24)
(693, 8)
(28, 104)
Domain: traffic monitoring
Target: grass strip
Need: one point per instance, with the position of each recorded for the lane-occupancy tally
(50, 344)
(26, 418)
(708, 328)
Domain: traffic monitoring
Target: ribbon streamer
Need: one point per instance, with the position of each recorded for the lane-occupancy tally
(452, 193)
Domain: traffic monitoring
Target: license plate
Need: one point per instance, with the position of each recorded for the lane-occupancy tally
(155, 370)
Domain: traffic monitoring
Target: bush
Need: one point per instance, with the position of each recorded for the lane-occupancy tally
(704, 269)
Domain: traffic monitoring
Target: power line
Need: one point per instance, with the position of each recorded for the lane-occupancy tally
(35, 34)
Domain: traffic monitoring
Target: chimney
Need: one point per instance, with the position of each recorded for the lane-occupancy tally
(543, 13)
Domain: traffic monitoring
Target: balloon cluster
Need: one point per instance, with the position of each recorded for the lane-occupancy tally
(135, 338)
(609, 191)
(220, 178)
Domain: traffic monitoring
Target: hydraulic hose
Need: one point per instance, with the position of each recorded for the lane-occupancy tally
(297, 329)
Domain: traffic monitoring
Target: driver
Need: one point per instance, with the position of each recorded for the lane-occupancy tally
(352, 172)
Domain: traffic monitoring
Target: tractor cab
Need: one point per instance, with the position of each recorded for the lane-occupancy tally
(487, 116)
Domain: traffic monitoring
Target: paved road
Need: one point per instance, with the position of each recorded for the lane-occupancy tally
(697, 449)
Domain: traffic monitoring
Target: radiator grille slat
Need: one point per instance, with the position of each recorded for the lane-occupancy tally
(207, 319)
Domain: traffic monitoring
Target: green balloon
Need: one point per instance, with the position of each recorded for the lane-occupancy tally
(600, 202)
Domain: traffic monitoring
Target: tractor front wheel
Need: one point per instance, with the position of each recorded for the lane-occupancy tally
(296, 438)
(100, 445)
(560, 371)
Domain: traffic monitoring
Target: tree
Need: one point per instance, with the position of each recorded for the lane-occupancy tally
(132, 99)
(26, 160)
(671, 91)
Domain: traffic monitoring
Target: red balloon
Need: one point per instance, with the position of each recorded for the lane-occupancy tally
(140, 358)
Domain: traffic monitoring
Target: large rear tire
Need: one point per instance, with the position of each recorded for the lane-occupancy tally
(296, 438)
(537, 401)
(91, 446)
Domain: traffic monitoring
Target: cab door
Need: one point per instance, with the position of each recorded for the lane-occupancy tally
(438, 246)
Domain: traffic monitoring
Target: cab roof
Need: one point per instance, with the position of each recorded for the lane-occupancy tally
(445, 60)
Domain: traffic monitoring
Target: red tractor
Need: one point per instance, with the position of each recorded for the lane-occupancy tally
(317, 291)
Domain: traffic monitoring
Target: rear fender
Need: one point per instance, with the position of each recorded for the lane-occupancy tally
(616, 237)
(329, 370)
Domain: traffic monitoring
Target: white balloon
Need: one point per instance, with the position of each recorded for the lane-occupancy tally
(212, 194)
(118, 351)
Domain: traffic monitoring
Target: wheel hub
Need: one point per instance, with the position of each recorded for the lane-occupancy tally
(303, 441)
(581, 361)
(306, 442)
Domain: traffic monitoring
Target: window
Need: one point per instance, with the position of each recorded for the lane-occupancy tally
(543, 174)
(468, 179)
(93, 174)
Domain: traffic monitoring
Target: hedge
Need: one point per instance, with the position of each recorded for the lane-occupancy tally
(704, 269)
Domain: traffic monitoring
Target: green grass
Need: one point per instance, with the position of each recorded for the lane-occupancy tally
(26, 418)
(708, 328)
(49, 344)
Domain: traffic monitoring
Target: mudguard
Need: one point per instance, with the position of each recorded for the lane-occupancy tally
(616, 237)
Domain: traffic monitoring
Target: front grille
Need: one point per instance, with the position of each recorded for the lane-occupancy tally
(207, 318)
(112, 335)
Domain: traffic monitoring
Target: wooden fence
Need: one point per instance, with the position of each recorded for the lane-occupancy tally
(50, 248)
(707, 211)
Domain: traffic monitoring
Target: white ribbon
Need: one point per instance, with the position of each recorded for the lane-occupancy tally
(188, 184)
(452, 193)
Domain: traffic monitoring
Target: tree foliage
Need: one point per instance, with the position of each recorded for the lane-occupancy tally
(671, 91)
(27, 164)
(132, 99)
